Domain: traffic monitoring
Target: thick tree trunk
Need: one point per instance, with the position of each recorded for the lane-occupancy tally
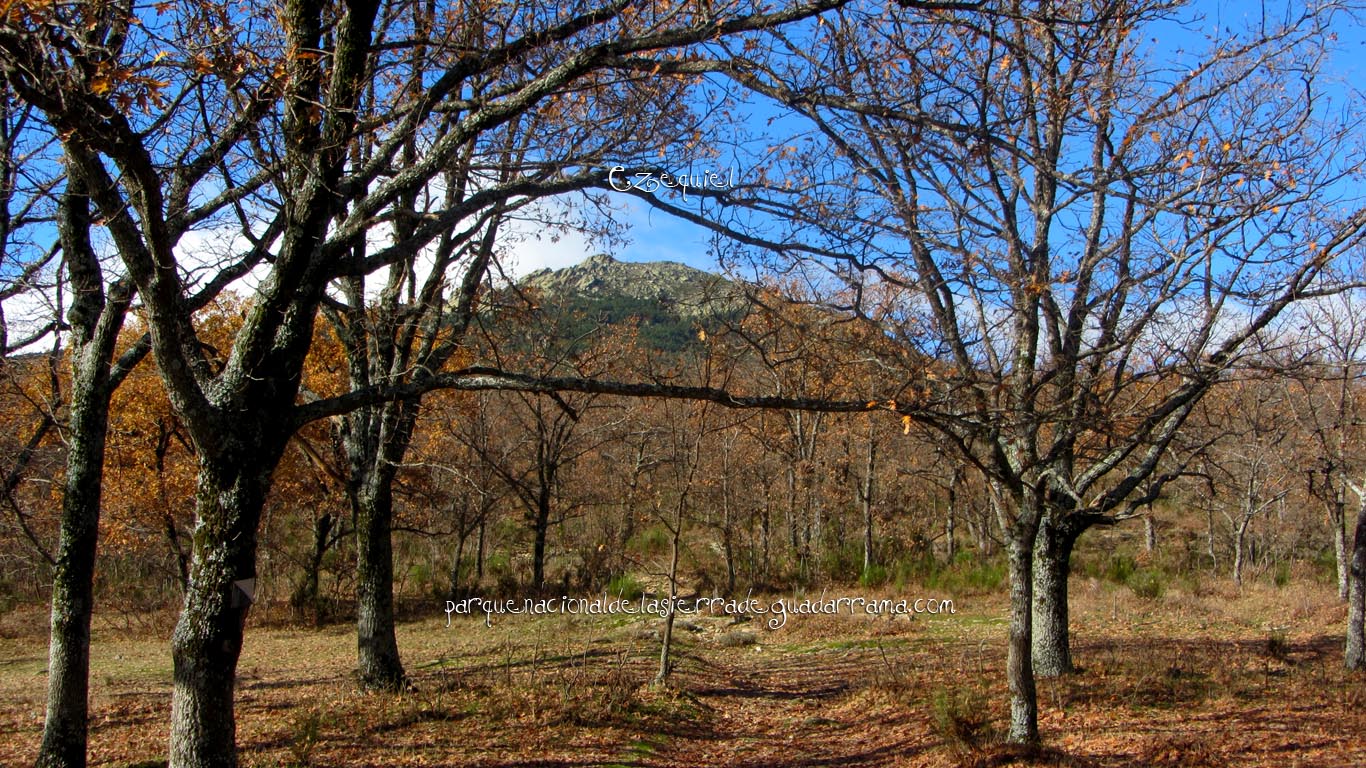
(1355, 656)
(207, 640)
(378, 661)
(1052, 567)
(376, 440)
(1024, 703)
(1149, 534)
(64, 729)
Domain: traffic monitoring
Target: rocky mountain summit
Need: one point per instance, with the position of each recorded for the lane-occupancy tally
(668, 303)
(663, 287)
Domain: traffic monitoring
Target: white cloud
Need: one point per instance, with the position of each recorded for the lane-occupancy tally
(528, 246)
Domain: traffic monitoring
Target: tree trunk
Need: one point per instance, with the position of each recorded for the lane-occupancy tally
(1209, 538)
(64, 729)
(309, 592)
(541, 527)
(1052, 653)
(182, 560)
(1355, 657)
(765, 534)
(376, 441)
(456, 577)
(207, 640)
(727, 518)
(950, 513)
(1149, 533)
(1024, 703)
(792, 527)
(866, 499)
(1337, 515)
(378, 661)
(1239, 536)
(728, 549)
(666, 644)
(479, 551)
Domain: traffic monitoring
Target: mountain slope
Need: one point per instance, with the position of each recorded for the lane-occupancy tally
(668, 301)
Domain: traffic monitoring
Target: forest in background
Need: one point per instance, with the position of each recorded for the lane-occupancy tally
(1010, 277)
(511, 493)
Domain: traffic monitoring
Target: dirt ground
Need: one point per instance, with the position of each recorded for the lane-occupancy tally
(1206, 679)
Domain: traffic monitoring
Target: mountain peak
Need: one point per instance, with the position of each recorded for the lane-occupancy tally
(666, 300)
(687, 291)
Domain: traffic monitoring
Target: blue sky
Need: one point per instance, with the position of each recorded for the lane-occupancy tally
(655, 236)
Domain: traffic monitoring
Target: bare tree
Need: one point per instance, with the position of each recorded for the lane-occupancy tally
(1245, 465)
(1084, 238)
(1322, 391)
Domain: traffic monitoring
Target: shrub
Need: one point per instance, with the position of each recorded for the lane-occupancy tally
(1325, 564)
(873, 576)
(965, 574)
(1282, 576)
(1278, 645)
(1120, 569)
(625, 586)
(841, 562)
(1148, 585)
(962, 720)
(306, 730)
(653, 541)
(8, 597)
(499, 566)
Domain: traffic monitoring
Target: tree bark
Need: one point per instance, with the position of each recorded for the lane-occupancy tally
(207, 640)
(309, 591)
(1052, 654)
(866, 499)
(1209, 538)
(540, 530)
(479, 551)
(950, 513)
(666, 642)
(457, 571)
(1337, 515)
(1024, 703)
(728, 549)
(1355, 656)
(64, 729)
(1239, 538)
(377, 656)
(376, 440)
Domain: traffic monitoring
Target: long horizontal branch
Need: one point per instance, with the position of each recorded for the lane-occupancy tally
(481, 378)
